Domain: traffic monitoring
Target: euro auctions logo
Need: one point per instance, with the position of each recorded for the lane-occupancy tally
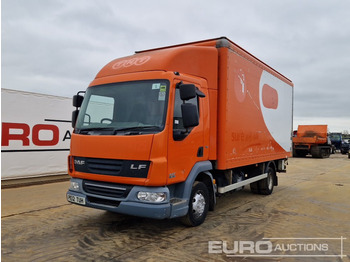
(240, 247)
(280, 247)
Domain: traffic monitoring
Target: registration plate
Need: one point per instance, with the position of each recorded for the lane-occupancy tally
(76, 199)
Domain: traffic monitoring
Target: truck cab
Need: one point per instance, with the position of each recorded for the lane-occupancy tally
(147, 131)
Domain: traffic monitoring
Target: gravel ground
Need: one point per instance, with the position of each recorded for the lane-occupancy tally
(312, 201)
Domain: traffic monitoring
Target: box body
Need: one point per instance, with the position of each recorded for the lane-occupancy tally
(255, 110)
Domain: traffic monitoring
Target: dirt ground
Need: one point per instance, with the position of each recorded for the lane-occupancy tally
(307, 218)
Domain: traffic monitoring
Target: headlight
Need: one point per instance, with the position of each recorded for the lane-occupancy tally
(74, 186)
(156, 197)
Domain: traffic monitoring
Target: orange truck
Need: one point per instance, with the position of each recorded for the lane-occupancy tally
(312, 139)
(161, 133)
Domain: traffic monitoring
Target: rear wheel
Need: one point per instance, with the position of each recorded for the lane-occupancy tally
(266, 185)
(318, 152)
(254, 187)
(198, 205)
(325, 153)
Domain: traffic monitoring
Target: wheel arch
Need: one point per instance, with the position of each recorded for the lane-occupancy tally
(200, 172)
(207, 178)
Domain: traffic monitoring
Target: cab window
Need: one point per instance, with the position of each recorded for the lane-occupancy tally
(179, 132)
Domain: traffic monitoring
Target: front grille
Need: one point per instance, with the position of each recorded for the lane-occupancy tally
(112, 167)
(106, 189)
(105, 166)
(109, 167)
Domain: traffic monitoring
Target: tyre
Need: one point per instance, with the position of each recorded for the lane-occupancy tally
(198, 205)
(325, 153)
(294, 153)
(266, 185)
(316, 152)
(254, 188)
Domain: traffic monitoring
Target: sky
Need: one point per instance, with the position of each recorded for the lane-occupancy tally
(57, 47)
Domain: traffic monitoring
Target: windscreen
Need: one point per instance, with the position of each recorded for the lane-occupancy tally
(127, 106)
(335, 137)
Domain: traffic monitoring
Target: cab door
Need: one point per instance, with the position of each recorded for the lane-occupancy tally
(186, 147)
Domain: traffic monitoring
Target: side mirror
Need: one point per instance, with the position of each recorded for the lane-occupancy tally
(77, 100)
(75, 114)
(187, 91)
(190, 116)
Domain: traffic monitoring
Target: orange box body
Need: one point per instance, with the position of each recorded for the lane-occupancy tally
(311, 135)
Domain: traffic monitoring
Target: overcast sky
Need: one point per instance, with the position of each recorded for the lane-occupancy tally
(57, 47)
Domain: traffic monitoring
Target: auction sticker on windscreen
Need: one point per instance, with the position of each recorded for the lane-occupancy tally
(162, 93)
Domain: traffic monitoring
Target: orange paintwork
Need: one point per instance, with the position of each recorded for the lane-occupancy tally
(243, 138)
(311, 134)
(232, 129)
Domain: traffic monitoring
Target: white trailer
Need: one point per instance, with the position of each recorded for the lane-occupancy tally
(35, 134)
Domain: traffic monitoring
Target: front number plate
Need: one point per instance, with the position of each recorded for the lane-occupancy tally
(76, 199)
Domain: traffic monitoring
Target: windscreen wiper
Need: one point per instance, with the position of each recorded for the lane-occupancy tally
(136, 128)
(85, 130)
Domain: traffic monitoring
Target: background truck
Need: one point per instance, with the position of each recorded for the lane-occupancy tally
(160, 133)
(312, 139)
(336, 140)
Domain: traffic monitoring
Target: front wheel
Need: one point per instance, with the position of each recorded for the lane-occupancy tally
(198, 205)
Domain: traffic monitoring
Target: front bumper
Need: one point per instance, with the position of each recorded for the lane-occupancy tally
(129, 204)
